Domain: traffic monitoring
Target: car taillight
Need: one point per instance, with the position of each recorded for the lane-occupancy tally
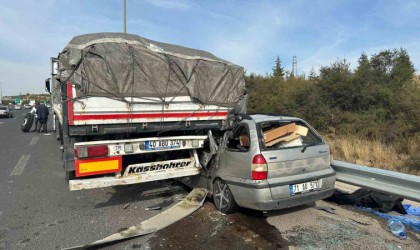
(331, 154)
(91, 151)
(259, 168)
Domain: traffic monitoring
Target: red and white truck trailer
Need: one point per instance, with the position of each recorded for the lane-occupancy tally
(129, 110)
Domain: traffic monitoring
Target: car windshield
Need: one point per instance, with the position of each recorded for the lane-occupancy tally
(282, 134)
(3, 108)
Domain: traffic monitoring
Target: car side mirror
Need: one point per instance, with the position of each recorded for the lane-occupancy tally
(48, 85)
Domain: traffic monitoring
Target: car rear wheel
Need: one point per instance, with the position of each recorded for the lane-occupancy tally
(27, 122)
(223, 198)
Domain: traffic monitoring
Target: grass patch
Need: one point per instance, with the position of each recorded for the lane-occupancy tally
(402, 157)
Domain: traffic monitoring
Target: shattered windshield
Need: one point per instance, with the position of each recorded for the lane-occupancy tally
(280, 134)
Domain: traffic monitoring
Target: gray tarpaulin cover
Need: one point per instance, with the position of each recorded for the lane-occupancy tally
(122, 65)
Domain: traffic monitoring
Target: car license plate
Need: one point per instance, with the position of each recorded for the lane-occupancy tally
(304, 187)
(162, 144)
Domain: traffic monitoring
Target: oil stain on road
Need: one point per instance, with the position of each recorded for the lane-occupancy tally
(209, 229)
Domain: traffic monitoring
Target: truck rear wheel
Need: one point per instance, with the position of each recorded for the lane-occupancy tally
(70, 175)
(27, 122)
(59, 132)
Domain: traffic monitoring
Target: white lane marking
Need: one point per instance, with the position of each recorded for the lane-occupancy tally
(34, 140)
(1, 122)
(20, 166)
(19, 116)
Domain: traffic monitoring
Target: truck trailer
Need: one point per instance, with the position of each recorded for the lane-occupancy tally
(129, 109)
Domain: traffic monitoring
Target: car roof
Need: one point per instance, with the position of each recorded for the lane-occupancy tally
(272, 117)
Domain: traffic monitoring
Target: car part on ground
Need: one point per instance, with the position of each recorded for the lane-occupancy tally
(27, 122)
(187, 206)
(160, 205)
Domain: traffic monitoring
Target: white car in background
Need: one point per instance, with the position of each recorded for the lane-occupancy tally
(6, 112)
(18, 107)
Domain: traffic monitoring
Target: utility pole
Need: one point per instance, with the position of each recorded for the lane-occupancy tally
(125, 16)
(294, 66)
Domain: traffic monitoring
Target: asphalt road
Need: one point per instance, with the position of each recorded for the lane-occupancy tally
(37, 211)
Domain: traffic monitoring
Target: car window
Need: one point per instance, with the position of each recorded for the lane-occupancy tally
(280, 134)
(3, 108)
(240, 141)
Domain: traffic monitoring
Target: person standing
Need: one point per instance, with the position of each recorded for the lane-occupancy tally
(33, 112)
(42, 113)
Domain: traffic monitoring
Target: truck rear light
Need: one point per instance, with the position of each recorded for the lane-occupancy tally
(259, 168)
(91, 151)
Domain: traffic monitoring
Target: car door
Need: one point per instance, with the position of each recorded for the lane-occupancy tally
(235, 156)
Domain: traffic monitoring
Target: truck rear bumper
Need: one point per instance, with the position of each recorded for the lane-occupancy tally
(101, 182)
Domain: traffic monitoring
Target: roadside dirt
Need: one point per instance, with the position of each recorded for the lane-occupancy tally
(309, 228)
(306, 227)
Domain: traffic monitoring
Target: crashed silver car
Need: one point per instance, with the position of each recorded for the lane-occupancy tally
(267, 162)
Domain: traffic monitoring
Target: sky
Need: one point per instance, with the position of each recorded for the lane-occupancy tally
(249, 33)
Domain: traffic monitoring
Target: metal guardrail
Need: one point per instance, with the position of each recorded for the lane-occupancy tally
(403, 185)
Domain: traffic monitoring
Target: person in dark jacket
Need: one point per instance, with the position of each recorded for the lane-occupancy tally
(42, 113)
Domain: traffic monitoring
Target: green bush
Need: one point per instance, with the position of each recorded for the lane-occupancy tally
(380, 99)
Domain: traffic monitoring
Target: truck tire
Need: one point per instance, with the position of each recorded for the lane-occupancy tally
(70, 175)
(58, 132)
(27, 122)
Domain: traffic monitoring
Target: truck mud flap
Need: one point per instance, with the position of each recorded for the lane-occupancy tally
(187, 206)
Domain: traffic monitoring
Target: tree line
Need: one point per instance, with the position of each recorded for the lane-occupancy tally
(378, 99)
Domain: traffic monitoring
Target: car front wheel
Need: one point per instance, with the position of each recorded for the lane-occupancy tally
(223, 197)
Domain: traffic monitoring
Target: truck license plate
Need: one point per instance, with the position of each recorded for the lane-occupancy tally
(304, 187)
(162, 144)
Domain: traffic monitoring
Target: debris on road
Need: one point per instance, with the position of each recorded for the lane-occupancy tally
(191, 203)
(397, 229)
(360, 221)
(371, 199)
(411, 210)
(126, 205)
(326, 209)
(210, 229)
(408, 220)
(161, 205)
